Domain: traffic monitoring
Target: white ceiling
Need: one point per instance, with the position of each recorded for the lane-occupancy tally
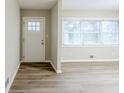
(36, 4)
(90, 4)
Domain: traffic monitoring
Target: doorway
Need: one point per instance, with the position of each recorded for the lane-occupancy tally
(33, 39)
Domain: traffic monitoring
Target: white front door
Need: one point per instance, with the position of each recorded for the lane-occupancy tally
(33, 40)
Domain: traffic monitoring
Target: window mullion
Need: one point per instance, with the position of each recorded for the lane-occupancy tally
(81, 32)
(100, 29)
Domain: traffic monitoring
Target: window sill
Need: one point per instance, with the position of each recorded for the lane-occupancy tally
(81, 46)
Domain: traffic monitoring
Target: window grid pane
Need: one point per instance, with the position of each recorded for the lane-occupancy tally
(34, 26)
(110, 32)
(90, 32)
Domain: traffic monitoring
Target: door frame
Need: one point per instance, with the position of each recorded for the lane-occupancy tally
(23, 35)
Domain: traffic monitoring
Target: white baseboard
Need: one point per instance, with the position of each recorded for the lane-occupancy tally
(59, 71)
(48, 61)
(12, 79)
(56, 70)
(93, 60)
(21, 61)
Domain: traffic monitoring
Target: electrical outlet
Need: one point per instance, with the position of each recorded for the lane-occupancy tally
(91, 56)
(6, 82)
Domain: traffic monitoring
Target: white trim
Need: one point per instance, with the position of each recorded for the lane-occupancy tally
(48, 61)
(80, 46)
(59, 71)
(93, 60)
(21, 61)
(23, 30)
(24, 18)
(12, 79)
(44, 36)
(85, 18)
(56, 70)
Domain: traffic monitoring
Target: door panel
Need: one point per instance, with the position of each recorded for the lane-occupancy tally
(34, 40)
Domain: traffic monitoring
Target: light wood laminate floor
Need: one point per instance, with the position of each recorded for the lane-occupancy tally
(86, 77)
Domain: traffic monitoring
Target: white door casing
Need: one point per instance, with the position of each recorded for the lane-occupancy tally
(33, 39)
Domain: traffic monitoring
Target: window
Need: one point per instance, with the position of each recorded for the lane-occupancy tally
(110, 32)
(90, 32)
(71, 35)
(33, 26)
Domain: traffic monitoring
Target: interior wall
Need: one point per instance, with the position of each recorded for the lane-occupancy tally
(40, 13)
(83, 53)
(91, 13)
(102, 53)
(12, 33)
(56, 36)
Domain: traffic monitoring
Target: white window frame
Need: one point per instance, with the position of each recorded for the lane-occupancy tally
(94, 19)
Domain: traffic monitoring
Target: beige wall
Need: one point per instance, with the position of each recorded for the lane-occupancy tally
(84, 52)
(46, 14)
(12, 45)
(102, 53)
(91, 13)
(54, 32)
(56, 36)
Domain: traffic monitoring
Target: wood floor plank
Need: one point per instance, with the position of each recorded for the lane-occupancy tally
(87, 77)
